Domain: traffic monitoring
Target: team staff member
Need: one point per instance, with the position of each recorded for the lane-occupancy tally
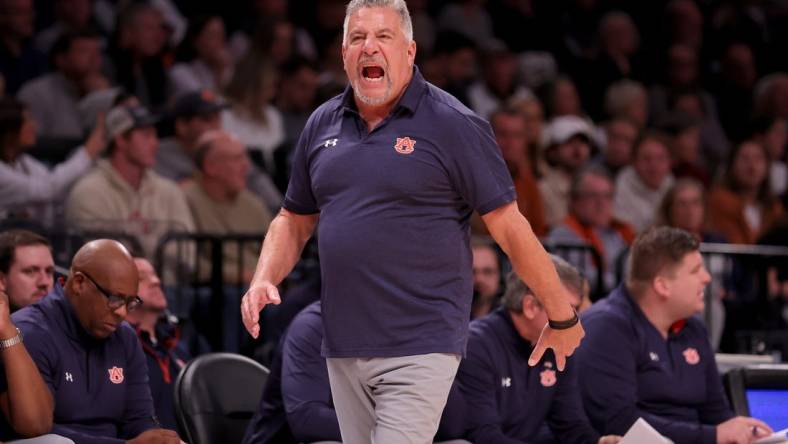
(26, 267)
(664, 368)
(393, 168)
(497, 397)
(88, 357)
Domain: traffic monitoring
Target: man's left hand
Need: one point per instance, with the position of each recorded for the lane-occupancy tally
(563, 343)
(609, 439)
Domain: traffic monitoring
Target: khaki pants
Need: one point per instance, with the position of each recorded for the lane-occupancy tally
(391, 400)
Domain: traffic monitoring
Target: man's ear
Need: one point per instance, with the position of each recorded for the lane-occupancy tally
(661, 286)
(3, 281)
(412, 52)
(530, 307)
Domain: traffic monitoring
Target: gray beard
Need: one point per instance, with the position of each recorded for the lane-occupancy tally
(373, 101)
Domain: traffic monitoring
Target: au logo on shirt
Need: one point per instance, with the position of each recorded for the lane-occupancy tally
(404, 145)
(115, 375)
(547, 376)
(691, 355)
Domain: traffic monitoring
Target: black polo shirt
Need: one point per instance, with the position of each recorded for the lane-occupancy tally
(394, 207)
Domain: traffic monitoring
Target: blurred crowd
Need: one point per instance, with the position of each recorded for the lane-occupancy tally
(147, 117)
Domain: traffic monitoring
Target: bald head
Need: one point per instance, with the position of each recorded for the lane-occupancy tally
(101, 269)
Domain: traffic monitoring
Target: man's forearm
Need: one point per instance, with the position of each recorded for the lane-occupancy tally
(529, 259)
(30, 404)
(284, 242)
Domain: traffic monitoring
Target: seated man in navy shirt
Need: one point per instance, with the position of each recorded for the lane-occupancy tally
(497, 397)
(663, 369)
(296, 405)
(89, 358)
(167, 343)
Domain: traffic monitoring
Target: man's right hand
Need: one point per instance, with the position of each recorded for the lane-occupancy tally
(156, 436)
(742, 430)
(257, 297)
(7, 329)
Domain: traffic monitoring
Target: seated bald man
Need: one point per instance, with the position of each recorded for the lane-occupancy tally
(88, 356)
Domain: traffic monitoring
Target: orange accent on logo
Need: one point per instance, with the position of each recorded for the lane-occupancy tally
(547, 378)
(208, 95)
(691, 355)
(404, 145)
(116, 375)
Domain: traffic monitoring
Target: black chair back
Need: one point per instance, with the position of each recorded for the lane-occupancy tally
(216, 395)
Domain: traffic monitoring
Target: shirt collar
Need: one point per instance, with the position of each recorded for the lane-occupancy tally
(67, 317)
(511, 333)
(623, 293)
(409, 100)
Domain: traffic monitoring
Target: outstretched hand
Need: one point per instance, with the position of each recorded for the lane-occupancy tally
(257, 297)
(563, 343)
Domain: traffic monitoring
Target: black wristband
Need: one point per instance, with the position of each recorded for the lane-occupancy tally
(564, 325)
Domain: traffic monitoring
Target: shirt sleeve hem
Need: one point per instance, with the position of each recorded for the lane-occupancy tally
(502, 199)
(295, 207)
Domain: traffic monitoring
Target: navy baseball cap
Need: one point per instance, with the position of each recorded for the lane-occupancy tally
(197, 103)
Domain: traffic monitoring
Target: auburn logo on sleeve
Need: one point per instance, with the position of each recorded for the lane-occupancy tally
(115, 375)
(404, 145)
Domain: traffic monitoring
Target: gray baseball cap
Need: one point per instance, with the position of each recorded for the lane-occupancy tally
(124, 118)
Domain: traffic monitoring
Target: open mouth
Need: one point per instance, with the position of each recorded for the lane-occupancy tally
(373, 73)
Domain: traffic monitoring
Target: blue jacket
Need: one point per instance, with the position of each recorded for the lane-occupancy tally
(628, 370)
(499, 399)
(100, 386)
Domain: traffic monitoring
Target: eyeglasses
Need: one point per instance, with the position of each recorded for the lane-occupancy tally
(115, 301)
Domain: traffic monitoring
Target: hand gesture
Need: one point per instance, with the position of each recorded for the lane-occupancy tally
(97, 140)
(563, 343)
(609, 439)
(742, 430)
(257, 297)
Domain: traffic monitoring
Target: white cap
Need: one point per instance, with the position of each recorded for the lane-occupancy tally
(563, 128)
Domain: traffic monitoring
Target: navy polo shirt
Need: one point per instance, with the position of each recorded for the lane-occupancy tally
(628, 370)
(497, 398)
(100, 386)
(394, 207)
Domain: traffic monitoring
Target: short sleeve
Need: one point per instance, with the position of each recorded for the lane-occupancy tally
(299, 198)
(477, 168)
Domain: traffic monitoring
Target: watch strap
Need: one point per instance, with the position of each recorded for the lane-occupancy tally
(12, 341)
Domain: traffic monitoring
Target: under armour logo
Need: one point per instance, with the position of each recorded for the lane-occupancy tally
(506, 382)
(69, 377)
(653, 356)
(330, 142)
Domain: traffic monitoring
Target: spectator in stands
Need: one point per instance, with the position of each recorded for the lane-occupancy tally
(532, 111)
(619, 42)
(138, 56)
(78, 340)
(53, 98)
(620, 136)
(590, 221)
(772, 133)
(20, 61)
(252, 118)
(204, 58)
(497, 397)
(499, 83)
(296, 98)
(27, 268)
(70, 16)
(123, 193)
(684, 131)
(296, 405)
(627, 99)
(456, 57)
(684, 206)
(568, 151)
(221, 204)
(165, 344)
(28, 189)
(771, 96)
(25, 402)
(560, 98)
(734, 89)
(665, 372)
(510, 129)
(193, 114)
(742, 206)
(486, 278)
(641, 186)
(469, 18)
